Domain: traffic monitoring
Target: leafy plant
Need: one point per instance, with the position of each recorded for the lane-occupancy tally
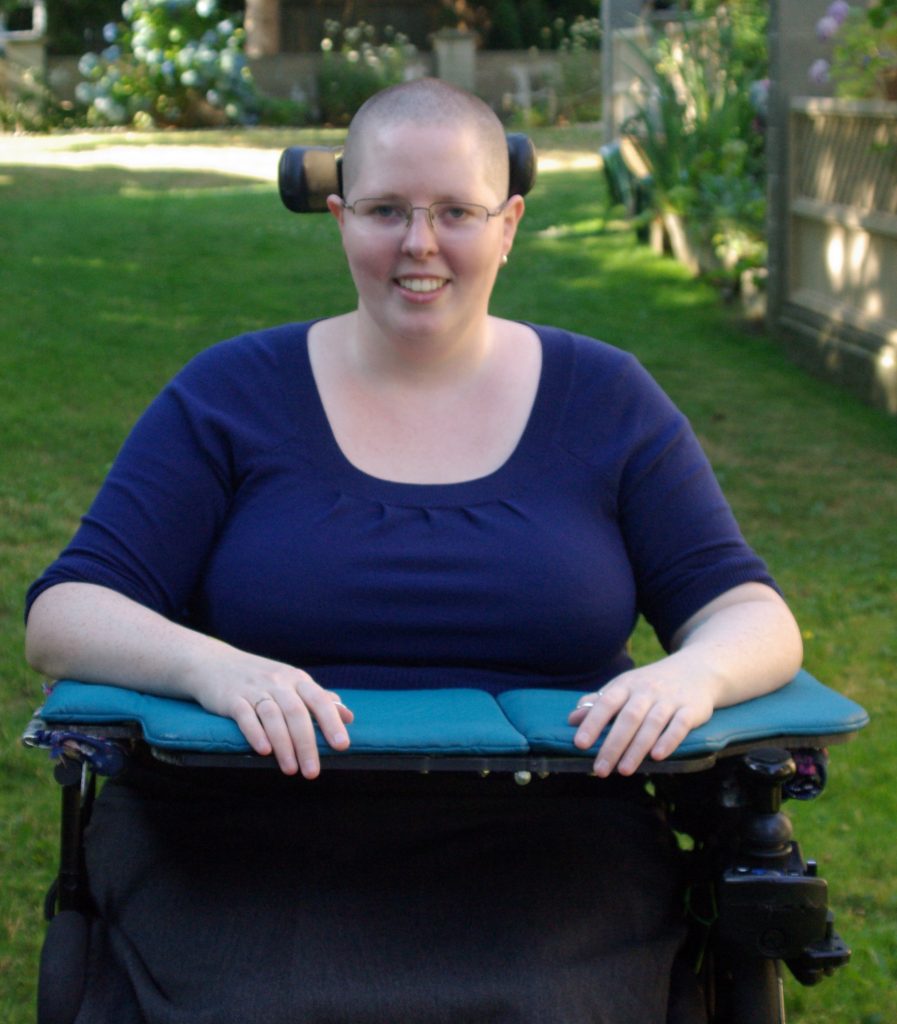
(355, 65)
(171, 63)
(864, 61)
(700, 125)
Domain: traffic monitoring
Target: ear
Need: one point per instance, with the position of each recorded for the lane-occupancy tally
(511, 214)
(336, 207)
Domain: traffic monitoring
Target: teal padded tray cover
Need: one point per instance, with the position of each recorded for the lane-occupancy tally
(450, 721)
(454, 721)
(804, 707)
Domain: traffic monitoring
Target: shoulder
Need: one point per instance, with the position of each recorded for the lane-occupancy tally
(249, 358)
(605, 386)
(243, 391)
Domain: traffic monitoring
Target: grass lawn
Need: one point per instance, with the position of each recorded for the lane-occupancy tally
(111, 279)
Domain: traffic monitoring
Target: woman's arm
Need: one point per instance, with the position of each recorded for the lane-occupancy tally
(88, 632)
(742, 644)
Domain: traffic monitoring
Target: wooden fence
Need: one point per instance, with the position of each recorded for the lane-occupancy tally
(839, 308)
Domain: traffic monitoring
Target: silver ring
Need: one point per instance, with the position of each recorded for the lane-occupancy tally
(262, 700)
(585, 704)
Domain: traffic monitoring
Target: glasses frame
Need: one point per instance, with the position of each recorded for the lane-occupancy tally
(410, 207)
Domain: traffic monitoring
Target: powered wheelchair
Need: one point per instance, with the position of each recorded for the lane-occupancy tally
(754, 900)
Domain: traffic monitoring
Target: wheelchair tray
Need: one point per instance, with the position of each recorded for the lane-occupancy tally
(437, 730)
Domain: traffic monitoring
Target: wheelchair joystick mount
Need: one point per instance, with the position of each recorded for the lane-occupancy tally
(771, 903)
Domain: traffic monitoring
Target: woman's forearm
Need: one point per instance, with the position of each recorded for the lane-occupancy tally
(741, 645)
(92, 633)
(96, 635)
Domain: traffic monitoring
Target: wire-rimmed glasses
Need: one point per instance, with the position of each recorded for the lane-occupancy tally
(448, 218)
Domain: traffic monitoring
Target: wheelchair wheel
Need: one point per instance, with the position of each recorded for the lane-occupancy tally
(63, 968)
(746, 991)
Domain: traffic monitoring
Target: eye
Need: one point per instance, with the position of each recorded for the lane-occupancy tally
(382, 210)
(456, 214)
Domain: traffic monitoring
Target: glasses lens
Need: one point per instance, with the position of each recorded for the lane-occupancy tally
(382, 213)
(395, 214)
(458, 218)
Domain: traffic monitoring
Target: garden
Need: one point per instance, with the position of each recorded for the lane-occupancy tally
(112, 278)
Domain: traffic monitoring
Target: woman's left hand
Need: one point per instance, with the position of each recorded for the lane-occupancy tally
(652, 710)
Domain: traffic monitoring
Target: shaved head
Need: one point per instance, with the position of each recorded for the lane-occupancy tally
(429, 101)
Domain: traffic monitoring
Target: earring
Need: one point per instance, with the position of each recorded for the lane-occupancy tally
(504, 259)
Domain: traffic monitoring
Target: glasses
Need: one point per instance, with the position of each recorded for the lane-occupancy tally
(449, 219)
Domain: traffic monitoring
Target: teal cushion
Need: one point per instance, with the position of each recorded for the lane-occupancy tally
(804, 707)
(455, 721)
(451, 721)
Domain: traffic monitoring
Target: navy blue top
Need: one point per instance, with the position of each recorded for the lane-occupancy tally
(232, 509)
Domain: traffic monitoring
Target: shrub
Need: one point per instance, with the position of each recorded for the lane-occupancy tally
(171, 63)
(354, 66)
(701, 126)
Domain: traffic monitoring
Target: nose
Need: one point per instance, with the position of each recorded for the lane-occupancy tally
(420, 235)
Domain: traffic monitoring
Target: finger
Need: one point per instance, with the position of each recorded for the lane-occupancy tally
(330, 714)
(585, 704)
(627, 723)
(608, 703)
(646, 736)
(300, 731)
(290, 743)
(680, 726)
(247, 721)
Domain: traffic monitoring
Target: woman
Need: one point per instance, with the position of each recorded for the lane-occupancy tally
(414, 494)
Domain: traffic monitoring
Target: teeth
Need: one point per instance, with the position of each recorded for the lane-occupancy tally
(421, 284)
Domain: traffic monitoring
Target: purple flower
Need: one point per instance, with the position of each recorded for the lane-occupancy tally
(827, 27)
(819, 72)
(839, 10)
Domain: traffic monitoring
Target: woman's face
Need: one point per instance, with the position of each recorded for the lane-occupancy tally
(418, 282)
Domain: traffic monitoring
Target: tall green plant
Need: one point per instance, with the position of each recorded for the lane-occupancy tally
(701, 124)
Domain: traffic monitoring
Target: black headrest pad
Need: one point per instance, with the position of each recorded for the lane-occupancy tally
(308, 174)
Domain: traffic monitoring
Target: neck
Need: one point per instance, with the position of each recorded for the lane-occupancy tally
(418, 358)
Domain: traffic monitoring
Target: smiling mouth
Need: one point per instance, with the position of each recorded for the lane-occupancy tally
(421, 284)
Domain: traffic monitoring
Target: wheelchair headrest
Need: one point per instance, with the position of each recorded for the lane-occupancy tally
(306, 175)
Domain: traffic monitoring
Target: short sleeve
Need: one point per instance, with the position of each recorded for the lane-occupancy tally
(682, 538)
(155, 519)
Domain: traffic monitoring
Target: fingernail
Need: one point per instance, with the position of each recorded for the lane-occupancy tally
(309, 767)
(340, 738)
(602, 768)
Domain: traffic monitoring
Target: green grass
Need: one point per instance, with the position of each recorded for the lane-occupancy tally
(110, 280)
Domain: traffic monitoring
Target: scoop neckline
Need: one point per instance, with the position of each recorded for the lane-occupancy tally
(525, 459)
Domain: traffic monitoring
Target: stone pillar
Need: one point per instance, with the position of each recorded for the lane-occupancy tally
(456, 57)
(262, 23)
(793, 47)
(615, 14)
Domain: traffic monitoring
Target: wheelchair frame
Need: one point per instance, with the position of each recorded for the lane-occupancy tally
(755, 902)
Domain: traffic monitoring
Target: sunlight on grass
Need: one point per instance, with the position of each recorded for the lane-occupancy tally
(111, 279)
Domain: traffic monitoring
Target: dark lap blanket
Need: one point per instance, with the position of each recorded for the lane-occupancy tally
(384, 898)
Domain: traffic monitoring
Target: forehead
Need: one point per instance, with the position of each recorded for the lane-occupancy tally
(409, 158)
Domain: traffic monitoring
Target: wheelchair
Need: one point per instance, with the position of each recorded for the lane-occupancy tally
(754, 901)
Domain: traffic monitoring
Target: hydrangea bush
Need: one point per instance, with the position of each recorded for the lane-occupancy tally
(170, 63)
(864, 58)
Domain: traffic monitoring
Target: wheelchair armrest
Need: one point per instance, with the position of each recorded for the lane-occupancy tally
(450, 729)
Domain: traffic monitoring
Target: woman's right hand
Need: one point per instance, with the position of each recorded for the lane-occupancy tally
(276, 707)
